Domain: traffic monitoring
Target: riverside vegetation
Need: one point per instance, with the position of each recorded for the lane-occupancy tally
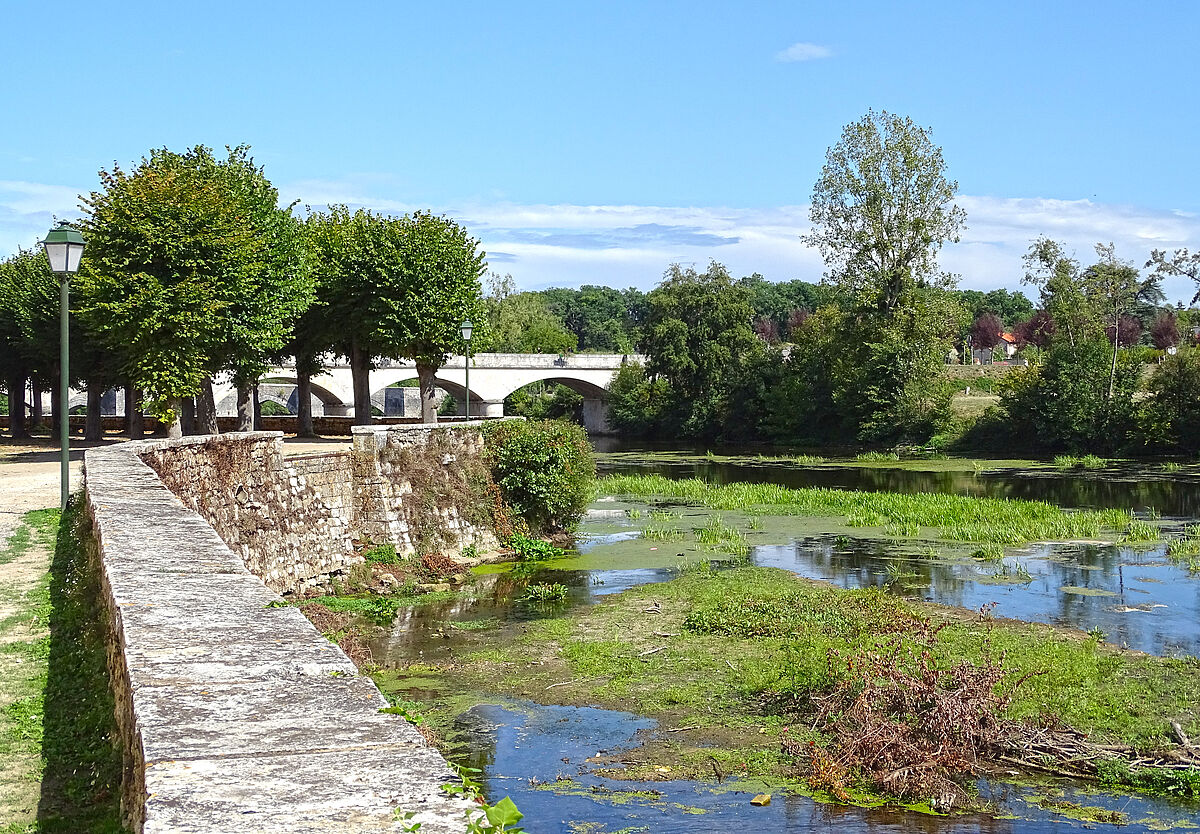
(847, 695)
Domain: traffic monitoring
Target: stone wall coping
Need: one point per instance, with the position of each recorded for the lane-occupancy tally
(418, 428)
(234, 714)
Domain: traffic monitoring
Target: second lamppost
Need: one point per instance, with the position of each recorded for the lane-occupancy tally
(467, 327)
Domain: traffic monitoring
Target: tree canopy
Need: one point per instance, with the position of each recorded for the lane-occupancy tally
(397, 287)
(882, 208)
(190, 269)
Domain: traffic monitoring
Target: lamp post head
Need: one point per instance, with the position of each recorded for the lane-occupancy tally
(64, 249)
(466, 329)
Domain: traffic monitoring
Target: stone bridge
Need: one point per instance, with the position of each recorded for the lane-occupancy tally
(493, 377)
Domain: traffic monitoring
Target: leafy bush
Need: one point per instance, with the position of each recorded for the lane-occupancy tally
(384, 554)
(544, 470)
(533, 550)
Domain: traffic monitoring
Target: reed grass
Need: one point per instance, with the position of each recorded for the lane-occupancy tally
(1084, 462)
(957, 518)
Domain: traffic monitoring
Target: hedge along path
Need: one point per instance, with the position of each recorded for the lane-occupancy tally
(957, 518)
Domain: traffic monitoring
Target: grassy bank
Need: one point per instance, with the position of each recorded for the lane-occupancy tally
(736, 666)
(61, 771)
(952, 518)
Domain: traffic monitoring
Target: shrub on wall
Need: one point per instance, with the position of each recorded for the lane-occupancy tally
(544, 470)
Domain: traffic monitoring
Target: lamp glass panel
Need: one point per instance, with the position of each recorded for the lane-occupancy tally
(74, 256)
(56, 253)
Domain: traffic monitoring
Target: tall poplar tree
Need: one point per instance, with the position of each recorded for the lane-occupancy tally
(882, 208)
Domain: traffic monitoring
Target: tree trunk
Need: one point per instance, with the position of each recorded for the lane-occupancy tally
(187, 416)
(304, 417)
(206, 408)
(245, 407)
(93, 426)
(135, 423)
(35, 389)
(175, 427)
(16, 406)
(425, 374)
(1112, 374)
(360, 372)
(56, 411)
(256, 407)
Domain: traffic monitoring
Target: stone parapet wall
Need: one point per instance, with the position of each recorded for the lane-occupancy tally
(328, 474)
(290, 533)
(421, 487)
(235, 715)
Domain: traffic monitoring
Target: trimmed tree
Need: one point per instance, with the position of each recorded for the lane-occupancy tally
(192, 269)
(397, 287)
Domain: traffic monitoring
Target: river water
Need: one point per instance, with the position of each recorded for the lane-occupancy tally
(1134, 597)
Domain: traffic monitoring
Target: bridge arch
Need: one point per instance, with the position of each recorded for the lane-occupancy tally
(587, 388)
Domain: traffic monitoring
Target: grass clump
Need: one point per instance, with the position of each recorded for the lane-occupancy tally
(553, 592)
(720, 536)
(1084, 462)
(1141, 531)
(662, 533)
(958, 518)
(876, 457)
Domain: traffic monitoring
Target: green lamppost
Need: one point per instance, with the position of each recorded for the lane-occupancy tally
(64, 250)
(467, 327)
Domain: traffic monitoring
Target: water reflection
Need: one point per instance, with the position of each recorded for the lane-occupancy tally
(538, 756)
(1137, 598)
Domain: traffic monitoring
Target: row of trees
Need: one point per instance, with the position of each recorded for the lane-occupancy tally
(193, 270)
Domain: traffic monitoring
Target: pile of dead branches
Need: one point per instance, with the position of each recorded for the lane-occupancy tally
(908, 728)
(918, 732)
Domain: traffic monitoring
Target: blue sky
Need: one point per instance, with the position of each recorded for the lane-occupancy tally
(599, 142)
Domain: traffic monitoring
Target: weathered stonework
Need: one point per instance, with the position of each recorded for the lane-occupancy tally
(236, 716)
(421, 488)
(264, 507)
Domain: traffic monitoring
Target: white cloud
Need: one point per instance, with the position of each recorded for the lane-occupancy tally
(627, 245)
(28, 209)
(803, 52)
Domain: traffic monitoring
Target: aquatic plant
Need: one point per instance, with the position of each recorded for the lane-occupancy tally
(720, 535)
(957, 517)
(806, 460)
(902, 529)
(877, 456)
(1085, 462)
(662, 533)
(1186, 550)
(1171, 466)
(634, 513)
(1141, 531)
(533, 550)
(553, 592)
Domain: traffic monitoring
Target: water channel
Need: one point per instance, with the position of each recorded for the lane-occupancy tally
(1133, 597)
